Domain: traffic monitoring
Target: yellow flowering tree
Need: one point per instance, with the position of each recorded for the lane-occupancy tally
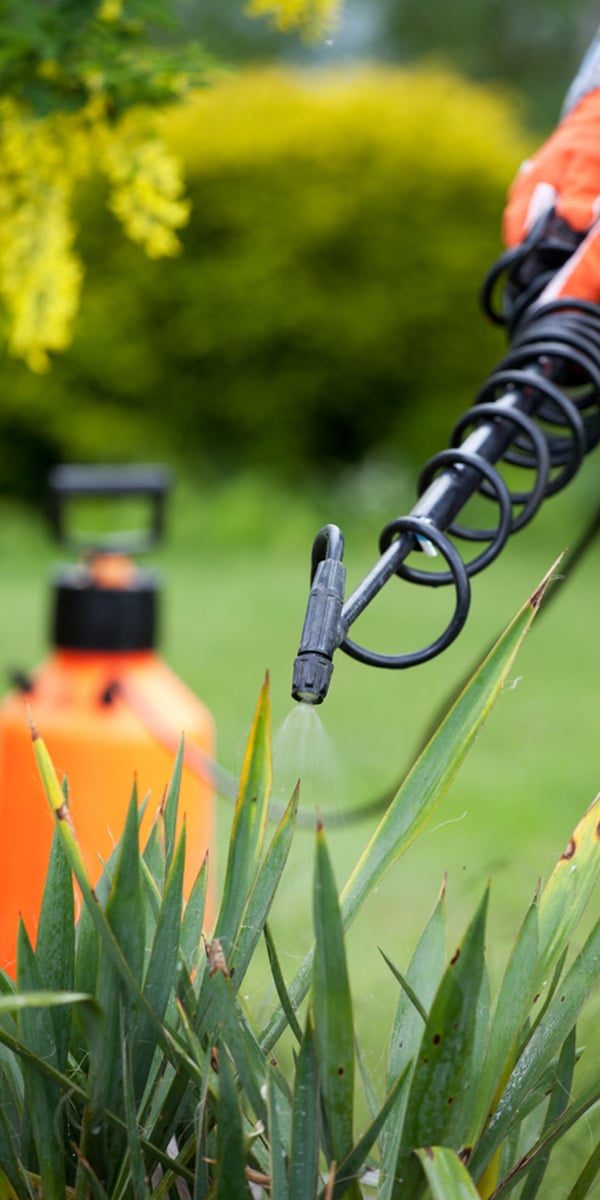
(80, 84)
(313, 15)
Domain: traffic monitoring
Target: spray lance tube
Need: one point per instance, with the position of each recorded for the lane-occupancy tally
(551, 374)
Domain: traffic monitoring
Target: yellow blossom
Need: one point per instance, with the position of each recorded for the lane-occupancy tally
(94, 80)
(110, 10)
(44, 154)
(40, 274)
(146, 185)
(41, 159)
(314, 15)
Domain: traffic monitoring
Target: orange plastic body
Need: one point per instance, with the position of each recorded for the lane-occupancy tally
(100, 746)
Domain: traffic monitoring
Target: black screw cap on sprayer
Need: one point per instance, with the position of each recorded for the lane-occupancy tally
(322, 631)
(90, 614)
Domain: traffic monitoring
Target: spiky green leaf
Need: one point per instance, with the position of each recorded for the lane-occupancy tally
(439, 1101)
(546, 1042)
(512, 1006)
(573, 1114)
(352, 1166)
(201, 1173)
(160, 977)
(407, 987)
(559, 1099)
(424, 974)
(249, 823)
(231, 1155)
(135, 1158)
(36, 1031)
(249, 1062)
(446, 1175)
(280, 987)
(55, 945)
(10, 1172)
(108, 941)
(171, 806)
(332, 1008)
(304, 1156)
(264, 888)
(568, 890)
(126, 918)
(279, 1179)
(190, 941)
(155, 850)
(69, 1086)
(87, 953)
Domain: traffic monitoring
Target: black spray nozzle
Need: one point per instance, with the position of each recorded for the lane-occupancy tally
(322, 631)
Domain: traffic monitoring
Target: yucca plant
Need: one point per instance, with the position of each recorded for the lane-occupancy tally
(130, 1065)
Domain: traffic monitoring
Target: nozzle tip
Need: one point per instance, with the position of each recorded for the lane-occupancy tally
(311, 677)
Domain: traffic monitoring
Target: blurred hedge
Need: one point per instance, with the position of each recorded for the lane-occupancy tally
(325, 307)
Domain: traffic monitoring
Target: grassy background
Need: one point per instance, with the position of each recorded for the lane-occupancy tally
(236, 573)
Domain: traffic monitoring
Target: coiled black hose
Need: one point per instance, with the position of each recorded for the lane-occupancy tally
(539, 411)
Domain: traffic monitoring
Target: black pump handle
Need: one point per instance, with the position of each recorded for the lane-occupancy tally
(68, 482)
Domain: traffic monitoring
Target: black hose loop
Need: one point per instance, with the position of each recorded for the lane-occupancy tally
(501, 267)
(532, 499)
(422, 529)
(566, 452)
(497, 537)
(328, 543)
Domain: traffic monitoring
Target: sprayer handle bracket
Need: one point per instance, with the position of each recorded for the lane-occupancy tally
(68, 482)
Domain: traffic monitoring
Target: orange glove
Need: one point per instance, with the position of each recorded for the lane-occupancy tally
(564, 175)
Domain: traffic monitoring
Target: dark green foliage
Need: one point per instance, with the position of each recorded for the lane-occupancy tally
(534, 48)
(58, 56)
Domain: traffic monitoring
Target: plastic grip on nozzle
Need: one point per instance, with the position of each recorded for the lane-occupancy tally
(321, 634)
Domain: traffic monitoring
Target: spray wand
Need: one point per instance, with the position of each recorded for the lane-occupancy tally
(550, 375)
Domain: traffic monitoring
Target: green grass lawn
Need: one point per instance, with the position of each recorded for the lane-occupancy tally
(236, 577)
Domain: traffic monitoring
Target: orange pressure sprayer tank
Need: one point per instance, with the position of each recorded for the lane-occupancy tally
(106, 704)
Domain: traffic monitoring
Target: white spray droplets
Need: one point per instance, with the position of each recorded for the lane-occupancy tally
(303, 750)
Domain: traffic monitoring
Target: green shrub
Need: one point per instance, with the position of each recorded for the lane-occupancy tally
(130, 1065)
(325, 306)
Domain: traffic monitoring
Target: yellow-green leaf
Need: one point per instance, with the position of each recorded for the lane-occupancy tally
(446, 1175)
(568, 889)
(249, 823)
(7, 1191)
